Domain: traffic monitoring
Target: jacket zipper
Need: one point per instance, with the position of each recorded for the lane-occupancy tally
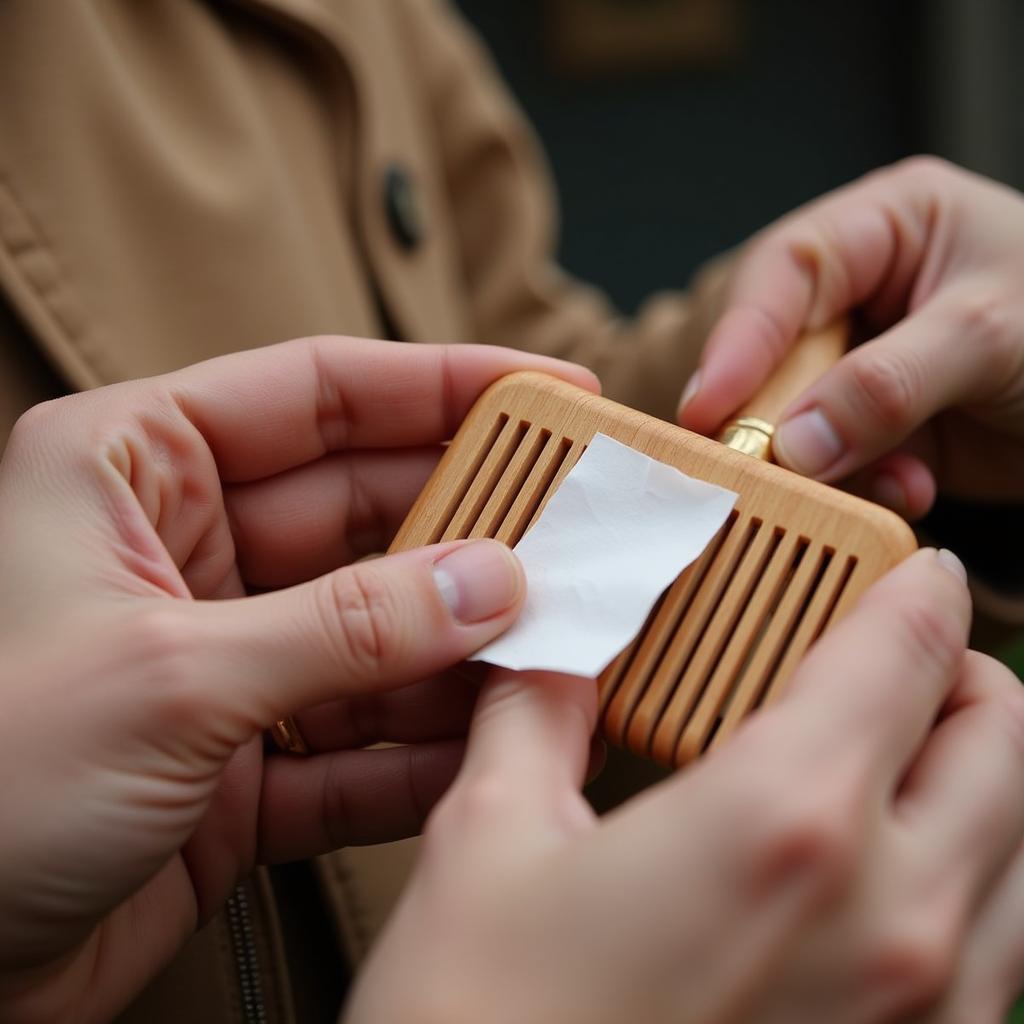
(239, 917)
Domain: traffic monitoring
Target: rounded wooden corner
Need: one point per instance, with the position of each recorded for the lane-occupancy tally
(894, 533)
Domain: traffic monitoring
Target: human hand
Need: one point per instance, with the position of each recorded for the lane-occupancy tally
(932, 259)
(852, 854)
(137, 677)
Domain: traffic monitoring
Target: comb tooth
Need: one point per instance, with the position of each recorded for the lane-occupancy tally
(536, 485)
(480, 489)
(846, 597)
(508, 485)
(819, 609)
(608, 681)
(459, 492)
(776, 640)
(719, 613)
(731, 615)
(655, 636)
(662, 688)
(737, 644)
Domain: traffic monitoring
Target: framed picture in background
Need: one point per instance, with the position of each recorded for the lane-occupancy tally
(597, 37)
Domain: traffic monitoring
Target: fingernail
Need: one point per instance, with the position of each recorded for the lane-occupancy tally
(692, 387)
(808, 443)
(478, 580)
(886, 490)
(949, 561)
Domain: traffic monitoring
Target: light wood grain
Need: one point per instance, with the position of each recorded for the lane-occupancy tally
(727, 634)
(803, 364)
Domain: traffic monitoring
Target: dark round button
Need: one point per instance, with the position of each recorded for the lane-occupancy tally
(403, 207)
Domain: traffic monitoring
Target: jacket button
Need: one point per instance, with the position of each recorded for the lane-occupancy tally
(401, 201)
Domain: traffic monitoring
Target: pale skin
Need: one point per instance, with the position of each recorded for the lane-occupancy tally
(931, 258)
(853, 854)
(138, 678)
(847, 857)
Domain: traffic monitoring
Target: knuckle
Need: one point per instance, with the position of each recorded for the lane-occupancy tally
(162, 647)
(925, 169)
(37, 422)
(913, 962)
(471, 806)
(1007, 696)
(160, 638)
(797, 827)
(886, 387)
(1014, 717)
(335, 804)
(933, 630)
(358, 613)
(813, 839)
(988, 324)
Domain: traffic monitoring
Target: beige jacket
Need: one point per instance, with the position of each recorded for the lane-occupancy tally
(181, 179)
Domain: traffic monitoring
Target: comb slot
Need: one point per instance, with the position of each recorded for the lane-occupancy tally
(608, 683)
(510, 482)
(777, 635)
(534, 490)
(473, 467)
(688, 634)
(703, 683)
(819, 610)
(609, 699)
(839, 599)
(688, 680)
(739, 644)
(644, 654)
(482, 486)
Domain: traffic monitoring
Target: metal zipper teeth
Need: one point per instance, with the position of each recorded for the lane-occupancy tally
(247, 963)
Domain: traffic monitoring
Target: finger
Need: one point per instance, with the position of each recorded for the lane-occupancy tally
(962, 797)
(883, 391)
(366, 628)
(900, 481)
(755, 828)
(533, 729)
(991, 971)
(435, 709)
(863, 244)
(271, 409)
(870, 689)
(528, 753)
(305, 522)
(311, 805)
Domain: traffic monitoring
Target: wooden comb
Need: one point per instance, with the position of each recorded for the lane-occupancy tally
(723, 639)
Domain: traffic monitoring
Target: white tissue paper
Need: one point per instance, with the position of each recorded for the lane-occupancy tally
(616, 533)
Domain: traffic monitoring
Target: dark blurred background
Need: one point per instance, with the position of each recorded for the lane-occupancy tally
(670, 150)
(676, 128)
(666, 161)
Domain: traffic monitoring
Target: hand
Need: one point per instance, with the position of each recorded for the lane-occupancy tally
(852, 854)
(932, 258)
(137, 677)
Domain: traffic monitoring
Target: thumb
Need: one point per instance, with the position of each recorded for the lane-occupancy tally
(371, 626)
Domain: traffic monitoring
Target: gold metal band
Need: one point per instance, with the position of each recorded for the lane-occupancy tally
(750, 436)
(287, 736)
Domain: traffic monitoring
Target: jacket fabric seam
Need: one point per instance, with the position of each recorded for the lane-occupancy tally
(61, 338)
